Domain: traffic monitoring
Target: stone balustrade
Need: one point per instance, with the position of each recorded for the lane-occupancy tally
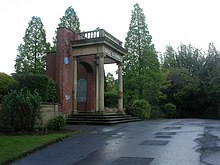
(98, 34)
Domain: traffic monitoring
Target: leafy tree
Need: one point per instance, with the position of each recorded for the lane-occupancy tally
(70, 20)
(180, 89)
(141, 66)
(212, 60)
(190, 57)
(209, 89)
(31, 56)
(6, 83)
(111, 83)
(193, 84)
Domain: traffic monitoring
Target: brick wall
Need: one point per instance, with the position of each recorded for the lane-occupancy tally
(51, 65)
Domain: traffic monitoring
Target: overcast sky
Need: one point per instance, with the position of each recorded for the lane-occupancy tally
(169, 21)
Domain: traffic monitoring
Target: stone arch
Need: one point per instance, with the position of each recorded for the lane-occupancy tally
(86, 74)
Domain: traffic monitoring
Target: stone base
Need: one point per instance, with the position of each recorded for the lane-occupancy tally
(121, 112)
(75, 111)
(48, 112)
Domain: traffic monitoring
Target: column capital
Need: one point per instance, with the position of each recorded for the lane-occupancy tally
(100, 55)
(120, 64)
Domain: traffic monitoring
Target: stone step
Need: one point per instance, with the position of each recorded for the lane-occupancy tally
(100, 116)
(100, 119)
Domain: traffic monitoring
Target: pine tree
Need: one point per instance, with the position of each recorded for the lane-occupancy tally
(70, 20)
(31, 56)
(141, 66)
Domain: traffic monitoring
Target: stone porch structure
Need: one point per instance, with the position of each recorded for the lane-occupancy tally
(78, 69)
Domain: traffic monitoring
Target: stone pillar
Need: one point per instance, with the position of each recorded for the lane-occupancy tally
(120, 89)
(64, 69)
(101, 84)
(97, 88)
(75, 85)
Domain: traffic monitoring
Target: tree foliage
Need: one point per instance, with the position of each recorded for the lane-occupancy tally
(20, 111)
(6, 82)
(141, 66)
(31, 56)
(70, 20)
(110, 83)
(193, 82)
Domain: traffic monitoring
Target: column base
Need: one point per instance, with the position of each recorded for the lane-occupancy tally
(100, 112)
(121, 112)
(75, 111)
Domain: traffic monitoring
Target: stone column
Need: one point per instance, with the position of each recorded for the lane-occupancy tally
(97, 88)
(101, 84)
(75, 85)
(120, 89)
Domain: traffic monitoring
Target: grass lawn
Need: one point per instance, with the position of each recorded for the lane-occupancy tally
(15, 146)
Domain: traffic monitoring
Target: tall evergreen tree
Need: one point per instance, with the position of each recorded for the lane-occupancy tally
(141, 66)
(70, 20)
(169, 60)
(190, 57)
(31, 56)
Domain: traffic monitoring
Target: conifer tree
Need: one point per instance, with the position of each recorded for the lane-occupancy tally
(31, 56)
(141, 66)
(70, 20)
(169, 58)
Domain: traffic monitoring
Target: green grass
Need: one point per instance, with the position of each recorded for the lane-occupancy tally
(15, 146)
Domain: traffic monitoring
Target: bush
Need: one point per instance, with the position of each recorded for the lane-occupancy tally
(34, 82)
(51, 91)
(6, 82)
(20, 111)
(157, 113)
(56, 124)
(140, 109)
(111, 99)
(170, 110)
(135, 112)
(37, 82)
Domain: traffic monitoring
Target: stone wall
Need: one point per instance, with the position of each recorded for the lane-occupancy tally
(49, 111)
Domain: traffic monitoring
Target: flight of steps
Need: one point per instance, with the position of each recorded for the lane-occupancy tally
(107, 119)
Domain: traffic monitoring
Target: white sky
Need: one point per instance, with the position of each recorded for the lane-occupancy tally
(169, 21)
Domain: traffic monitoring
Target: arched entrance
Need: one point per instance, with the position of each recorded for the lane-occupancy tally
(85, 85)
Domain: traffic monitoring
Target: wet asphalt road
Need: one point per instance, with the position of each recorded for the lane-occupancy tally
(155, 142)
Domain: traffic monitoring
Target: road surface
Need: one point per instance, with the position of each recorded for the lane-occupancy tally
(153, 142)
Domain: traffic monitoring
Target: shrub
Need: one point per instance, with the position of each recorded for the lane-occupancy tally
(135, 111)
(45, 86)
(157, 113)
(57, 123)
(140, 109)
(170, 110)
(20, 111)
(51, 91)
(33, 82)
(6, 82)
(111, 99)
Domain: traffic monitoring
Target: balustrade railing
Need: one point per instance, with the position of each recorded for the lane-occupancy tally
(98, 34)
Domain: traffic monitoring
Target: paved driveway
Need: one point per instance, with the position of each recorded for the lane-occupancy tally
(155, 142)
